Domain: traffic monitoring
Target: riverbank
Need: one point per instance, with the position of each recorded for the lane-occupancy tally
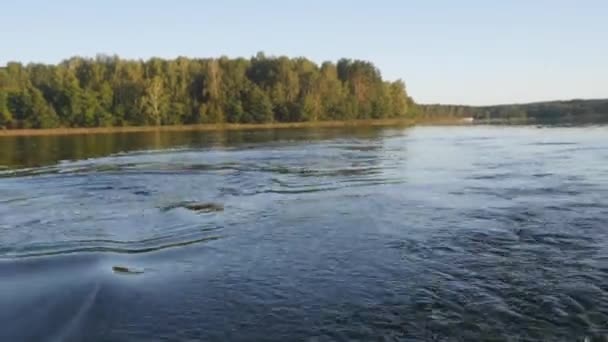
(237, 126)
(208, 127)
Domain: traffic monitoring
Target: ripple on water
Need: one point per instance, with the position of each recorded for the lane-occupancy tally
(104, 246)
(427, 234)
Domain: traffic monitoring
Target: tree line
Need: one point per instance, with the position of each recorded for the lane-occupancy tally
(110, 91)
(550, 112)
(571, 111)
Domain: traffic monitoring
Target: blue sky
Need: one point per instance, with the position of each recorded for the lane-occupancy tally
(448, 51)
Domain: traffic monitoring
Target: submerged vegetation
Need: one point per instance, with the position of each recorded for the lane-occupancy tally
(109, 91)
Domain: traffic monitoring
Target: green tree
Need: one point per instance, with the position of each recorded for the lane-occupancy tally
(107, 90)
(234, 110)
(257, 107)
(37, 113)
(153, 103)
(6, 117)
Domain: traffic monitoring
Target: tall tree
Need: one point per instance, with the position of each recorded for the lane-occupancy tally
(107, 90)
(153, 104)
(6, 117)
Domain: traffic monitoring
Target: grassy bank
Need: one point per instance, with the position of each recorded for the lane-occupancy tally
(209, 127)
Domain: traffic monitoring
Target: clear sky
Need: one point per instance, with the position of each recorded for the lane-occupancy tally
(448, 51)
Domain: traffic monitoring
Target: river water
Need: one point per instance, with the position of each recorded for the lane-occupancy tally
(420, 234)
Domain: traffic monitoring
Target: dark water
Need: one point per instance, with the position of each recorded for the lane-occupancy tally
(424, 234)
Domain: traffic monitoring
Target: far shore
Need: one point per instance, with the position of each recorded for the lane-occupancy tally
(227, 126)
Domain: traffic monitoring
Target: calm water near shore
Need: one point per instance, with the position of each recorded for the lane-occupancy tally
(420, 234)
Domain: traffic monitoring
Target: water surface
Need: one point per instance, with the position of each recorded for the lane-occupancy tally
(429, 233)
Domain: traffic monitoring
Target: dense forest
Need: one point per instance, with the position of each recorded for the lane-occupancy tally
(110, 91)
(572, 111)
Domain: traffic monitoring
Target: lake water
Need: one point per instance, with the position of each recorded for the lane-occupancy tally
(420, 234)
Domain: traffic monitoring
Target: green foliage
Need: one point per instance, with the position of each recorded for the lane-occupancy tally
(6, 117)
(32, 110)
(107, 90)
(542, 112)
(257, 107)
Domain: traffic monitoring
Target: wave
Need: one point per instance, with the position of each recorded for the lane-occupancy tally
(101, 246)
(556, 143)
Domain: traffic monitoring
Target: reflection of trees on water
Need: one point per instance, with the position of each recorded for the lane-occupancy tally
(22, 151)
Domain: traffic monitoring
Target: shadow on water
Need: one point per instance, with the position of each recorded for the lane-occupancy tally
(34, 151)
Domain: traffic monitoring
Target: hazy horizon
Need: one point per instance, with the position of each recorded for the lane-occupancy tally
(470, 52)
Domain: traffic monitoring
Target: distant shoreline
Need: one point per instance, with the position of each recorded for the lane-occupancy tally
(205, 127)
